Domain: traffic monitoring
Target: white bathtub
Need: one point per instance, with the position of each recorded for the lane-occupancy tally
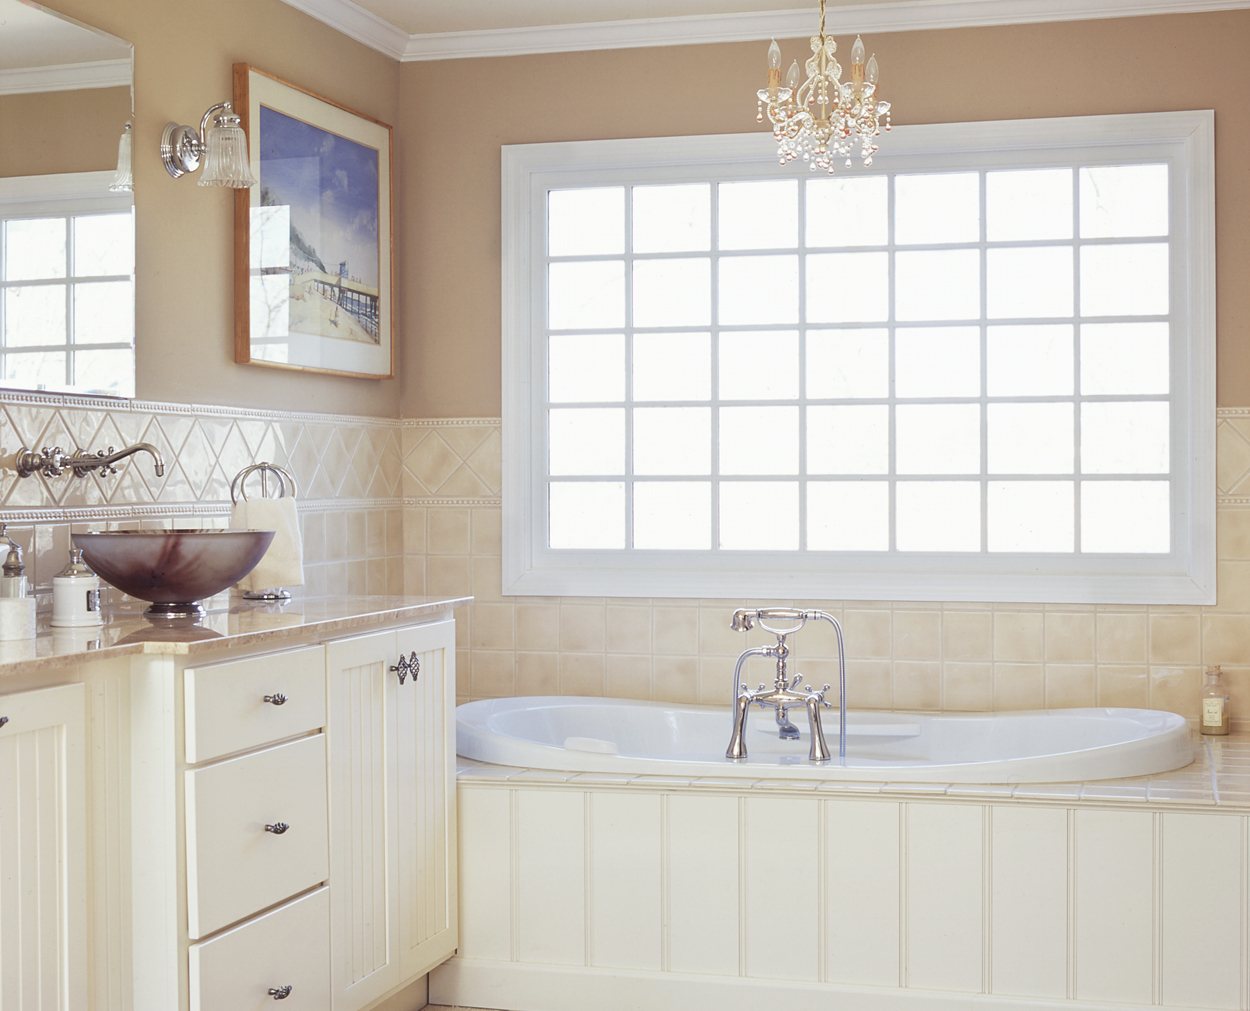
(616, 735)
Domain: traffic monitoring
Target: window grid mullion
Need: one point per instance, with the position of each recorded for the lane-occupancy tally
(804, 483)
(891, 386)
(1078, 400)
(983, 330)
(714, 331)
(629, 340)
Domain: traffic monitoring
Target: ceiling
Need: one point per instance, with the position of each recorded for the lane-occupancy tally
(454, 29)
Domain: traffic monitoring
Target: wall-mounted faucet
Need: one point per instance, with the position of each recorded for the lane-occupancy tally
(785, 692)
(54, 461)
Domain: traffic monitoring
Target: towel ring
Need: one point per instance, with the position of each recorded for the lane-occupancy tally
(238, 490)
(285, 480)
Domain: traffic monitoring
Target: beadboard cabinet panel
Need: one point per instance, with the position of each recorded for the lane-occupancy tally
(551, 886)
(782, 840)
(43, 851)
(626, 881)
(703, 865)
(1029, 901)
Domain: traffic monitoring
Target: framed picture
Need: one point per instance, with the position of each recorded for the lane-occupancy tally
(313, 252)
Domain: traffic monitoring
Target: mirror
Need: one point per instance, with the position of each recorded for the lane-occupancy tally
(66, 239)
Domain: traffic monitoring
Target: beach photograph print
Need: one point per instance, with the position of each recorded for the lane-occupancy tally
(324, 189)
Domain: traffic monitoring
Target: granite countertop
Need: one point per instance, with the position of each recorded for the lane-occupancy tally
(239, 623)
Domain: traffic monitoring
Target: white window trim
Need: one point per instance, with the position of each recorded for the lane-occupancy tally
(1184, 576)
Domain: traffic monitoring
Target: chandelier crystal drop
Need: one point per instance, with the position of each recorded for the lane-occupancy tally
(824, 118)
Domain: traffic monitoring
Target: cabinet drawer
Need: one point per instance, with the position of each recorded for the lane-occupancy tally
(225, 707)
(288, 947)
(235, 866)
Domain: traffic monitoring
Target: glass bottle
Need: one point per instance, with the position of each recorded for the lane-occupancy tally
(1214, 715)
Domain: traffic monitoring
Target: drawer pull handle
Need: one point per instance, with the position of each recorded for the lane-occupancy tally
(277, 828)
(3, 720)
(277, 699)
(408, 665)
(280, 992)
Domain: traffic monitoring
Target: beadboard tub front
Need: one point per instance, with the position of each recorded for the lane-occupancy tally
(588, 892)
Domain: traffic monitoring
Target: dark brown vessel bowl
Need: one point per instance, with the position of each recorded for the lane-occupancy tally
(173, 566)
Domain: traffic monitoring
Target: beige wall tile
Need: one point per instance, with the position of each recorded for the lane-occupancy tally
(967, 635)
(582, 628)
(868, 633)
(492, 626)
(716, 687)
(967, 686)
(1121, 637)
(485, 578)
(629, 628)
(538, 626)
(676, 679)
(917, 636)
(448, 531)
(487, 538)
(1233, 586)
(1225, 639)
(1123, 685)
(1175, 638)
(1018, 635)
(869, 684)
(917, 684)
(1176, 689)
(1019, 686)
(1071, 685)
(493, 674)
(581, 673)
(414, 530)
(447, 574)
(1232, 534)
(715, 635)
(675, 630)
(538, 673)
(1070, 637)
(627, 677)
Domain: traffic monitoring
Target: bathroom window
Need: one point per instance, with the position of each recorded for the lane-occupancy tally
(981, 368)
(67, 289)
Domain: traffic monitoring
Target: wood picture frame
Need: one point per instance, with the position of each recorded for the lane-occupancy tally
(314, 237)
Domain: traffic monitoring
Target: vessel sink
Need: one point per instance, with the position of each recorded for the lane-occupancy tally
(173, 569)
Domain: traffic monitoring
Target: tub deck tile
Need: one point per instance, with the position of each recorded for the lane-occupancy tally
(1047, 791)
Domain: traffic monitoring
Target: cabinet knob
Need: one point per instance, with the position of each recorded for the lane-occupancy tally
(280, 992)
(407, 665)
(277, 828)
(276, 699)
(3, 720)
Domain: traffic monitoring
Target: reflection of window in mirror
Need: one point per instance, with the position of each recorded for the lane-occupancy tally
(66, 242)
(67, 284)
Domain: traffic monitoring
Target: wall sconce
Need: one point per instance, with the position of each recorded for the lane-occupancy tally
(222, 147)
(123, 178)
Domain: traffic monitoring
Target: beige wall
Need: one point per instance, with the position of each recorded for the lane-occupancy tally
(184, 318)
(61, 131)
(450, 212)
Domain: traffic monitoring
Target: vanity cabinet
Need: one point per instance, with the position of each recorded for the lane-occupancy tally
(264, 816)
(390, 729)
(43, 850)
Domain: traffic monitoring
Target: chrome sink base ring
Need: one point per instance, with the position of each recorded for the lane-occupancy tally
(190, 609)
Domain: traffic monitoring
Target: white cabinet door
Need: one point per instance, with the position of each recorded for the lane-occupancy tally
(425, 741)
(43, 854)
(392, 809)
(364, 935)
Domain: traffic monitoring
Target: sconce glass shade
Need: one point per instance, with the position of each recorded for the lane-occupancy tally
(123, 179)
(225, 155)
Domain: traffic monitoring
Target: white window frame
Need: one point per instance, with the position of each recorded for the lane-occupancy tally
(1186, 575)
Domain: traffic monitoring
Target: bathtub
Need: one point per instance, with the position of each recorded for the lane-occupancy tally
(617, 735)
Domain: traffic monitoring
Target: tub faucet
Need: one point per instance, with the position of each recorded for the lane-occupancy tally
(53, 462)
(785, 692)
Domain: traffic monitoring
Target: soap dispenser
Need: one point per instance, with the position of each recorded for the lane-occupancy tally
(1214, 703)
(76, 594)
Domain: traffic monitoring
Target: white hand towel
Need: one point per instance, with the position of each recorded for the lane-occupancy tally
(283, 563)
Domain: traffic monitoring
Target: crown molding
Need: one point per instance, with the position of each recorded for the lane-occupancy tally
(67, 77)
(352, 20)
(897, 15)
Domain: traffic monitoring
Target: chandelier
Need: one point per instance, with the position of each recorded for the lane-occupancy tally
(824, 118)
